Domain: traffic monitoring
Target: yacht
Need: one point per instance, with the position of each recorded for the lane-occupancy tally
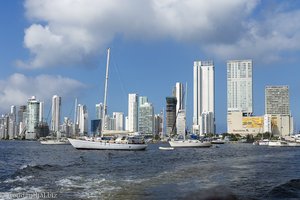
(120, 143)
(123, 142)
(189, 143)
(278, 143)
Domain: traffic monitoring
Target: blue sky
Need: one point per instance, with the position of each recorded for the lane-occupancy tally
(59, 47)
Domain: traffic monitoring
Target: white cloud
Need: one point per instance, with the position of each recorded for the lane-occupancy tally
(18, 88)
(69, 32)
(66, 32)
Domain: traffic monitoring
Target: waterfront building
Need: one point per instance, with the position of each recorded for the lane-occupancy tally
(278, 119)
(82, 119)
(133, 112)
(277, 101)
(4, 121)
(12, 126)
(22, 115)
(67, 127)
(56, 112)
(145, 117)
(99, 110)
(158, 126)
(239, 99)
(33, 110)
(204, 98)
(171, 103)
(179, 93)
(119, 121)
(239, 86)
(244, 125)
(41, 112)
(96, 127)
(126, 124)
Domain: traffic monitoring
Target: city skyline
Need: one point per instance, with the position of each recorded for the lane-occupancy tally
(44, 54)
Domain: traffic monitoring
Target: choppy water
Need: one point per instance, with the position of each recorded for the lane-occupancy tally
(232, 171)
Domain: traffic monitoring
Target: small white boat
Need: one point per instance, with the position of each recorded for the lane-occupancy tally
(218, 141)
(189, 143)
(56, 142)
(166, 148)
(294, 144)
(264, 142)
(278, 143)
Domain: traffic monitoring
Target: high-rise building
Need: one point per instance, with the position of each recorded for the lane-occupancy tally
(277, 101)
(133, 112)
(82, 119)
(22, 115)
(278, 119)
(204, 98)
(146, 116)
(41, 112)
(239, 86)
(56, 110)
(158, 126)
(119, 121)
(171, 115)
(99, 111)
(179, 93)
(33, 110)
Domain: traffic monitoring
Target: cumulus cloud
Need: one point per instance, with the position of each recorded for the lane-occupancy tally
(17, 88)
(66, 32)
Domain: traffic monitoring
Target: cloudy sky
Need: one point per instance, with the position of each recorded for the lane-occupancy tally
(59, 47)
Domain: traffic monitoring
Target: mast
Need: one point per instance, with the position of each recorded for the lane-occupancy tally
(104, 110)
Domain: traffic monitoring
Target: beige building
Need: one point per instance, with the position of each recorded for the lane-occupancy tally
(278, 125)
(244, 125)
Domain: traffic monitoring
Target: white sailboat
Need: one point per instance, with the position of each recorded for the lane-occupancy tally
(188, 143)
(121, 143)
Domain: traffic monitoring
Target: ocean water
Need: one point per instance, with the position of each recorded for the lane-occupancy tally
(29, 170)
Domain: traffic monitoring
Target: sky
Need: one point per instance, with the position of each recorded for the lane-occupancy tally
(58, 47)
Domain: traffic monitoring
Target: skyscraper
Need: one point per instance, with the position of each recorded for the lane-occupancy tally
(132, 112)
(277, 101)
(99, 110)
(179, 93)
(82, 119)
(170, 115)
(56, 110)
(33, 108)
(239, 86)
(146, 116)
(119, 119)
(204, 98)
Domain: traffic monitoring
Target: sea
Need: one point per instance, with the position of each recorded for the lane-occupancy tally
(30, 170)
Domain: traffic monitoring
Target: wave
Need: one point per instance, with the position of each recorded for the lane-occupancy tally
(290, 189)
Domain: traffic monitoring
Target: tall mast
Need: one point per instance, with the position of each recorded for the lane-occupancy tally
(75, 117)
(104, 110)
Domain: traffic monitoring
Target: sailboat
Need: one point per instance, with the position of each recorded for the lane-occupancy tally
(187, 143)
(123, 142)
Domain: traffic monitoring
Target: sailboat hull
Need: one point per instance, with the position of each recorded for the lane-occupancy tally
(189, 144)
(98, 145)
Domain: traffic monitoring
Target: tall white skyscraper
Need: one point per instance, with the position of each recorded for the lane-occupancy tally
(82, 119)
(239, 86)
(56, 110)
(99, 110)
(204, 98)
(179, 93)
(119, 120)
(41, 112)
(133, 112)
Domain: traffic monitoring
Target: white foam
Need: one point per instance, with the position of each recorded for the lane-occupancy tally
(18, 179)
